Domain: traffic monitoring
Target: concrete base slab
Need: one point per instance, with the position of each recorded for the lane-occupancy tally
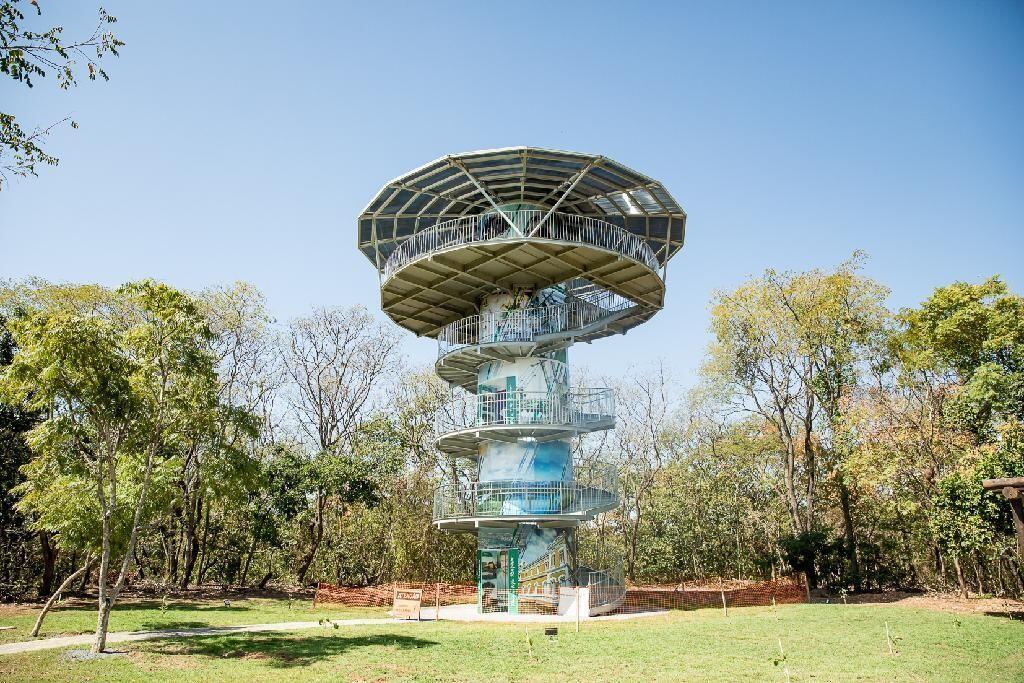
(468, 613)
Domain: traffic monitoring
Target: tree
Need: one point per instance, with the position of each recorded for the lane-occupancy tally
(644, 439)
(335, 360)
(944, 407)
(27, 54)
(973, 337)
(122, 377)
(791, 348)
(219, 461)
(14, 452)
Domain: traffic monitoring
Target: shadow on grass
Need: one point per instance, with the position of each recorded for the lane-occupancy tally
(1010, 614)
(158, 605)
(280, 650)
(184, 606)
(171, 625)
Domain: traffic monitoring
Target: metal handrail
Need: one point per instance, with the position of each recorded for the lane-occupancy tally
(493, 226)
(577, 407)
(526, 324)
(595, 489)
(607, 586)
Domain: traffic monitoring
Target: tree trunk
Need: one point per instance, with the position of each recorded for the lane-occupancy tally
(104, 602)
(789, 481)
(316, 535)
(191, 542)
(170, 554)
(84, 583)
(108, 595)
(49, 563)
(978, 578)
(56, 596)
(248, 562)
(265, 580)
(851, 540)
(205, 561)
(961, 581)
(103, 624)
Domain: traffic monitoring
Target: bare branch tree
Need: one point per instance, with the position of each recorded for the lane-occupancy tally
(336, 361)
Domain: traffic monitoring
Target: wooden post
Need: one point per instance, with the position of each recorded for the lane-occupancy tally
(1012, 489)
(1016, 499)
(579, 596)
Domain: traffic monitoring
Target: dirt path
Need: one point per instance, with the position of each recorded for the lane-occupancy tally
(130, 636)
(942, 602)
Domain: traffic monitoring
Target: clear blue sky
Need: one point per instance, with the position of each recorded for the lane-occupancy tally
(239, 140)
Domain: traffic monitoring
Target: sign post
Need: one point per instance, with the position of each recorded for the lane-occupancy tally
(513, 581)
(407, 603)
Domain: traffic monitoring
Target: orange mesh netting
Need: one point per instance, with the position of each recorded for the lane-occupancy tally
(633, 599)
(383, 595)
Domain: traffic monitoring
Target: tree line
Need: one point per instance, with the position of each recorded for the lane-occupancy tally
(180, 438)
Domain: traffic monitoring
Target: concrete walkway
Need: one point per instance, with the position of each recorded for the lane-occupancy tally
(130, 636)
(451, 612)
(467, 612)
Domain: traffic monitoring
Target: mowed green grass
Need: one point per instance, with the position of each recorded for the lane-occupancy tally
(821, 642)
(141, 615)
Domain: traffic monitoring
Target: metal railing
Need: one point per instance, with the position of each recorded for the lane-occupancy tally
(492, 226)
(526, 324)
(607, 588)
(595, 490)
(576, 407)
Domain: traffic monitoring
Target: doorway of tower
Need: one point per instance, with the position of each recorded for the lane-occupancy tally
(497, 574)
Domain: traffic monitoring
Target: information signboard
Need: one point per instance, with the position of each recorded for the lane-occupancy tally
(407, 603)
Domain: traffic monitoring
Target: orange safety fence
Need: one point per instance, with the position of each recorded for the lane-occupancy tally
(787, 590)
(724, 594)
(383, 595)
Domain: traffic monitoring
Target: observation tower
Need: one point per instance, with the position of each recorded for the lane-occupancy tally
(508, 257)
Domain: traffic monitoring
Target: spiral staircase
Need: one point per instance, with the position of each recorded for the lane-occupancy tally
(508, 258)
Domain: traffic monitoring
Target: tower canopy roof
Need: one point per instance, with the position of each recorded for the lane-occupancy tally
(477, 182)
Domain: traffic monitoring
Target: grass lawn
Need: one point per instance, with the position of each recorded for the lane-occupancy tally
(821, 642)
(137, 615)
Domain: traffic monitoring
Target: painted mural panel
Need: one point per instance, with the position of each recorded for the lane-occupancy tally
(534, 374)
(542, 563)
(531, 461)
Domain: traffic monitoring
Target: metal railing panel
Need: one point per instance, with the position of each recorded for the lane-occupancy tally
(575, 407)
(492, 226)
(526, 324)
(593, 487)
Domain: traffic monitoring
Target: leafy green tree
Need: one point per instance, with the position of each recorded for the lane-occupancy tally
(961, 519)
(949, 418)
(122, 377)
(14, 452)
(792, 349)
(974, 336)
(27, 54)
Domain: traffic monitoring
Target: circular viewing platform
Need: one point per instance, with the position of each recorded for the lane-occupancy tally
(463, 423)
(511, 225)
(465, 345)
(438, 275)
(553, 503)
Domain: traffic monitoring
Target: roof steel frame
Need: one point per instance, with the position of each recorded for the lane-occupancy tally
(461, 184)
